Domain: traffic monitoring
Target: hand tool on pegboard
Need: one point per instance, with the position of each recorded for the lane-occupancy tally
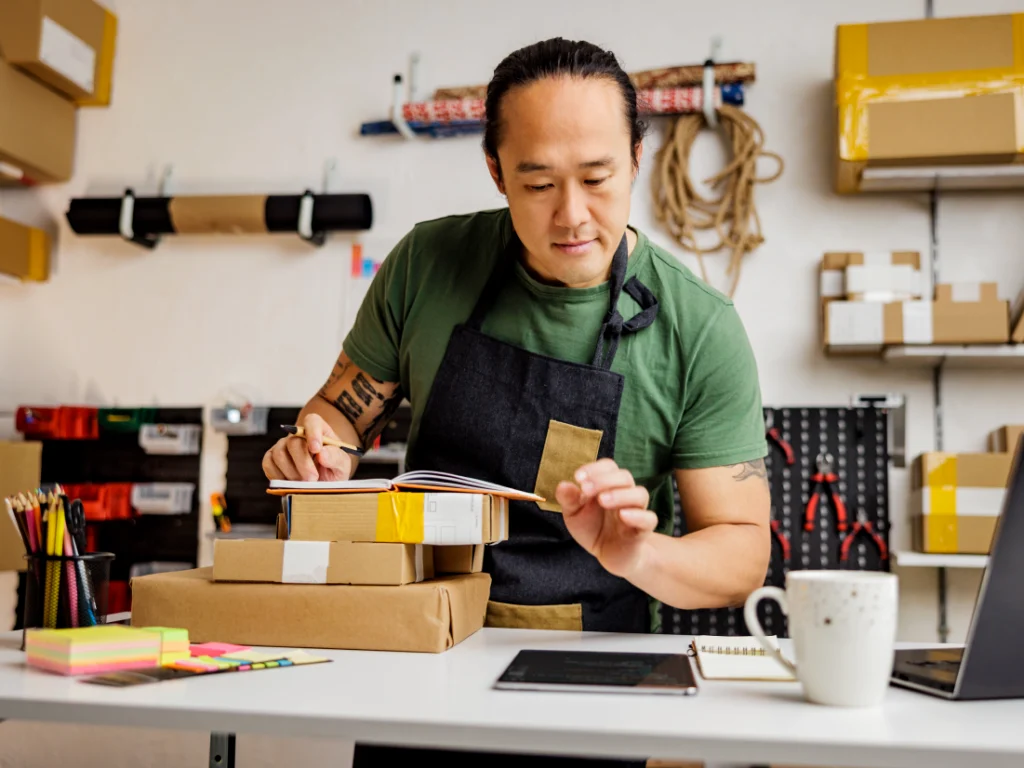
(783, 540)
(825, 480)
(863, 525)
(775, 438)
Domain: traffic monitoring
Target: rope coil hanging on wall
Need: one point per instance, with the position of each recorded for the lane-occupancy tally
(733, 215)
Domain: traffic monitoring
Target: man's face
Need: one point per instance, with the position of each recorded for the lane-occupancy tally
(567, 171)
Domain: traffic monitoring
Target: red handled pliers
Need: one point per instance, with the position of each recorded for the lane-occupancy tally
(775, 436)
(783, 540)
(863, 524)
(827, 478)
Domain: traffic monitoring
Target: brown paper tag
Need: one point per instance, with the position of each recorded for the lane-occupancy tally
(566, 449)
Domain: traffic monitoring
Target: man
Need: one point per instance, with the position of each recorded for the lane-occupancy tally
(552, 348)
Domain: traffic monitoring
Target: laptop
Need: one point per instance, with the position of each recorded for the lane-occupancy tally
(989, 666)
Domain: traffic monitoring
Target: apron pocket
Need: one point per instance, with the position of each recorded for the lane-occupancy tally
(534, 616)
(566, 449)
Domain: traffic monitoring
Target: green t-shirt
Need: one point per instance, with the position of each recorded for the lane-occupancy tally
(691, 397)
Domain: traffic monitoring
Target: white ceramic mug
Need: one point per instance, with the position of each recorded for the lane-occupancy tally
(843, 628)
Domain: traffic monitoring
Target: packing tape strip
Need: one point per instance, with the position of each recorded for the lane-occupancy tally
(419, 563)
(917, 322)
(944, 473)
(855, 89)
(400, 517)
(305, 562)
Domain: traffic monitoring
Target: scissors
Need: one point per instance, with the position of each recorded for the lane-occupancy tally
(76, 523)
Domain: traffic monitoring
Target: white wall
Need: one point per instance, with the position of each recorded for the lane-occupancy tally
(254, 96)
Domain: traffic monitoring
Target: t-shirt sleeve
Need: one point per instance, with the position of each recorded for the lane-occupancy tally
(373, 342)
(723, 421)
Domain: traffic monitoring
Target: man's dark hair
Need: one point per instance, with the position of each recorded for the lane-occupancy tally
(551, 58)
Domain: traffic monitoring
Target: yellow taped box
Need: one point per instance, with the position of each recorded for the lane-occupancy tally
(24, 251)
(1005, 439)
(398, 517)
(928, 91)
(428, 617)
(60, 42)
(973, 470)
(321, 562)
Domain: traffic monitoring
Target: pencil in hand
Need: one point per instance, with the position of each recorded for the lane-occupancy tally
(298, 431)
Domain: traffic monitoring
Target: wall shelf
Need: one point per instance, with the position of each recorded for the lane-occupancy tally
(942, 177)
(954, 356)
(922, 560)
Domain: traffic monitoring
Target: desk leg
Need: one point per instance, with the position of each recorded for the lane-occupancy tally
(222, 750)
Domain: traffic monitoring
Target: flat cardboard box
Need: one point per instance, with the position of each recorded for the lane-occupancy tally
(398, 516)
(58, 41)
(937, 534)
(37, 128)
(1005, 439)
(321, 562)
(24, 251)
(900, 91)
(20, 467)
(972, 470)
(428, 617)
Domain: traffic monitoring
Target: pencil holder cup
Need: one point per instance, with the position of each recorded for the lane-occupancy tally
(66, 591)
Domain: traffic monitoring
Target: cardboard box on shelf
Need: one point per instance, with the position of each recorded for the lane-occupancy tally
(398, 516)
(953, 534)
(974, 470)
(431, 616)
(926, 92)
(1017, 319)
(20, 467)
(24, 251)
(967, 292)
(861, 327)
(1005, 439)
(956, 321)
(876, 276)
(58, 41)
(37, 130)
(321, 562)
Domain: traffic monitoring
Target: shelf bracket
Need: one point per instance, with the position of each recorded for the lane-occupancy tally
(895, 406)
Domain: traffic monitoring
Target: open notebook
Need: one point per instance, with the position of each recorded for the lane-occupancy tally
(737, 658)
(410, 481)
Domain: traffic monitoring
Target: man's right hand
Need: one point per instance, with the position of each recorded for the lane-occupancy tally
(296, 458)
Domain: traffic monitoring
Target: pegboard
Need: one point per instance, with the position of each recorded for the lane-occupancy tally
(857, 440)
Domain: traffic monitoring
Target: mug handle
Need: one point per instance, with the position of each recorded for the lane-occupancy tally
(750, 614)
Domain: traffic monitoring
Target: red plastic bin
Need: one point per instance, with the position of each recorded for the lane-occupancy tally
(119, 597)
(68, 422)
(103, 501)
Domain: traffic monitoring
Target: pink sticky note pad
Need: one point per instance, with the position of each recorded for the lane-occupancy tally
(216, 649)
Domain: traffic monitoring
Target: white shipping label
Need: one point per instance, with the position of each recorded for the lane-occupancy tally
(877, 258)
(855, 323)
(966, 291)
(305, 562)
(917, 322)
(831, 283)
(67, 54)
(453, 518)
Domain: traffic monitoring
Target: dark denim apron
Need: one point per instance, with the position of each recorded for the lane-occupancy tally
(488, 416)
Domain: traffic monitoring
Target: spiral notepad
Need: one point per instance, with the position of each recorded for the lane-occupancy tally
(736, 658)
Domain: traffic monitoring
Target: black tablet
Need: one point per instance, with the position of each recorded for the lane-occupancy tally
(599, 672)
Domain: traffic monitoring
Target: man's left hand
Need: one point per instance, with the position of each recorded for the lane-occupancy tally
(606, 512)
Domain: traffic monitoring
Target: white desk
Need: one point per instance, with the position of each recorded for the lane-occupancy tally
(447, 700)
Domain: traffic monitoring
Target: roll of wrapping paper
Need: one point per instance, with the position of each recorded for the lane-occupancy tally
(651, 101)
(664, 77)
(226, 213)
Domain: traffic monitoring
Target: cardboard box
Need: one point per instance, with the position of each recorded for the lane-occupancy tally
(885, 272)
(972, 470)
(953, 534)
(24, 251)
(321, 562)
(20, 467)
(861, 326)
(428, 617)
(966, 322)
(967, 292)
(1005, 439)
(900, 91)
(104, 86)
(398, 516)
(37, 129)
(57, 41)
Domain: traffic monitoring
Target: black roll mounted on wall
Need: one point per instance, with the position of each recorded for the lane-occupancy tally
(143, 219)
